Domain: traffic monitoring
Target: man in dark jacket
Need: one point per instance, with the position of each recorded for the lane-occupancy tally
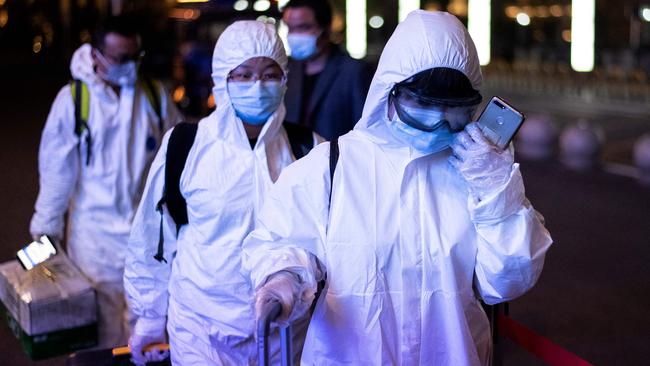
(326, 87)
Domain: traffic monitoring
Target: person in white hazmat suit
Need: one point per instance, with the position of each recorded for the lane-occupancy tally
(415, 233)
(201, 296)
(97, 174)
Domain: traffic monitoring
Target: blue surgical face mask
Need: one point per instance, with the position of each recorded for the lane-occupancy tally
(424, 141)
(123, 74)
(302, 45)
(255, 101)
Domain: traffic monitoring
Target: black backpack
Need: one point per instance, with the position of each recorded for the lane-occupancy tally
(178, 148)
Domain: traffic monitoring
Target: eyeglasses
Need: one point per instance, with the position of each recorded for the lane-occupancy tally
(249, 76)
(122, 59)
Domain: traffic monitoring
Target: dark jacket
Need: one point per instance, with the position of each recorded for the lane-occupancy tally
(337, 98)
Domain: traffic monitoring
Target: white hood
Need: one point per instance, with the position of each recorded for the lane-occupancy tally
(424, 40)
(82, 65)
(239, 42)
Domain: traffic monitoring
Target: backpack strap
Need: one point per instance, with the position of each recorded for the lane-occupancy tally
(81, 98)
(178, 148)
(334, 159)
(152, 91)
(301, 139)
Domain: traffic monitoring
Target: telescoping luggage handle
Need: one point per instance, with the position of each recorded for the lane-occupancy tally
(269, 313)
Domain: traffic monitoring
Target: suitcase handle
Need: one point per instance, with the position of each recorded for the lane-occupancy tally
(269, 313)
(126, 350)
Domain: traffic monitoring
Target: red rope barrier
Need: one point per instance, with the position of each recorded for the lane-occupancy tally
(539, 346)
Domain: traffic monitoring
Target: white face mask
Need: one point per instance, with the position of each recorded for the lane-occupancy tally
(255, 101)
(424, 141)
(302, 45)
(119, 74)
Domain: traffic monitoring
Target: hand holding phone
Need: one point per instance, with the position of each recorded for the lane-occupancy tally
(499, 122)
(36, 252)
(484, 165)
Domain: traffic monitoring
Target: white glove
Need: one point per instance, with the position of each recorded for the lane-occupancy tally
(287, 288)
(485, 167)
(146, 332)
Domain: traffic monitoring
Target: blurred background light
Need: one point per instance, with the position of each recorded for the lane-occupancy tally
(405, 7)
(376, 22)
(556, 10)
(37, 44)
(512, 11)
(644, 13)
(4, 17)
(262, 5)
(185, 14)
(582, 35)
(240, 5)
(523, 19)
(281, 4)
(478, 25)
(355, 32)
(458, 7)
(542, 11)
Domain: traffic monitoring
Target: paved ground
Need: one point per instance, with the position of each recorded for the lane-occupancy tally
(592, 298)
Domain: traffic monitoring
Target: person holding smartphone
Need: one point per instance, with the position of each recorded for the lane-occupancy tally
(406, 242)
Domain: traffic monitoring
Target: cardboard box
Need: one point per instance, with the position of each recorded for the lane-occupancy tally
(52, 308)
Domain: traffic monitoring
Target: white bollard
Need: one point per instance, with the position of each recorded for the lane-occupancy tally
(642, 158)
(580, 146)
(536, 139)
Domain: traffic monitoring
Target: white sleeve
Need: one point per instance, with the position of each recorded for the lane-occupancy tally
(146, 279)
(170, 113)
(58, 167)
(291, 227)
(512, 242)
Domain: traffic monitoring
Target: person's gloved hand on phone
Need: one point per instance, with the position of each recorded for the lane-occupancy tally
(485, 167)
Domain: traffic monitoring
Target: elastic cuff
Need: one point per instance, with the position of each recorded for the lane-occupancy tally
(53, 228)
(150, 326)
(498, 206)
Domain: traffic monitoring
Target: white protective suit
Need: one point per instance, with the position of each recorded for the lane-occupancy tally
(201, 293)
(100, 196)
(406, 250)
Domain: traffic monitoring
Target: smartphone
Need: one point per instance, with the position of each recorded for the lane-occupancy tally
(36, 252)
(499, 121)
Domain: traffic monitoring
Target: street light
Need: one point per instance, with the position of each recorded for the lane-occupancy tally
(404, 7)
(478, 25)
(356, 31)
(583, 26)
